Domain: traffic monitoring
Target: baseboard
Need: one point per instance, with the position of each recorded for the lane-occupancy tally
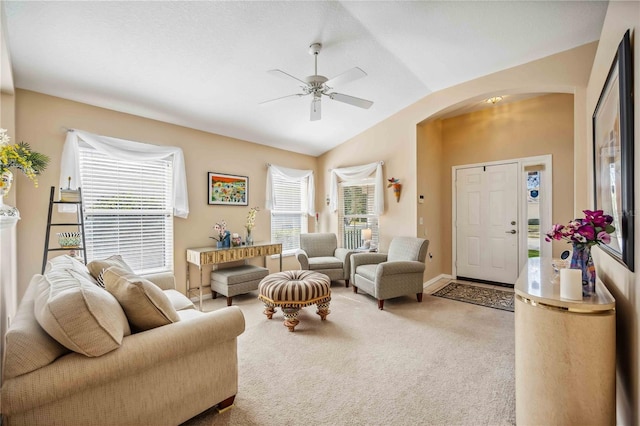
(432, 281)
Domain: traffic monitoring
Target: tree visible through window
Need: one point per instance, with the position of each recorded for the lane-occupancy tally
(356, 213)
(128, 210)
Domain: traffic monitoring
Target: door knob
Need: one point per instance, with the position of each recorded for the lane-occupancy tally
(513, 231)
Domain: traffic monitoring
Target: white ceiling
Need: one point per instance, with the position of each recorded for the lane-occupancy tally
(204, 64)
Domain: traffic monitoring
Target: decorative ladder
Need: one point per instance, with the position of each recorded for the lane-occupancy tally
(79, 224)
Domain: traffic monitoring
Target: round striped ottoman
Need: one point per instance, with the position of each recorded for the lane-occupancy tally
(292, 290)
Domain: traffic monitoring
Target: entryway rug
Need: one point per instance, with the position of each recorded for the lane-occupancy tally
(483, 296)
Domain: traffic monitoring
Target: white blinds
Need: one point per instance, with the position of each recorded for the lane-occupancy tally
(128, 209)
(288, 218)
(356, 212)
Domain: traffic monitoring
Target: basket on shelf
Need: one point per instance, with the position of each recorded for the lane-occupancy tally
(69, 239)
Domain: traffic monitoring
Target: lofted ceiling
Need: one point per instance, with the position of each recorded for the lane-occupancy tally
(204, 65)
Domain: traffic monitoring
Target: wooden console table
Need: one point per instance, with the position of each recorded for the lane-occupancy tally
(213, 256)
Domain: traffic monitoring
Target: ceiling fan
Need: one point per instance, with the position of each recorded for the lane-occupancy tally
(319, 86)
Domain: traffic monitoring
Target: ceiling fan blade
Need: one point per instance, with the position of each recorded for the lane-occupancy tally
(346, 77)
(316, 109)
(351, 100)
(283, 97)
(286, 76)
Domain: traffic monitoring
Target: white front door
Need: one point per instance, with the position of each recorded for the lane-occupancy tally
(486, 223)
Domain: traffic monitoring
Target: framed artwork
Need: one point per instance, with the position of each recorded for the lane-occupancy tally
(228, 190)
(613, 154)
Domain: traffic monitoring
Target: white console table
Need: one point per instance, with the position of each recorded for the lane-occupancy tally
(565, 352)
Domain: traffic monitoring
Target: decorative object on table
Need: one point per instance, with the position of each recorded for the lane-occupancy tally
(228, 190)
(223, 237)
(251, 223)
(571, 284)
(69, 195)
(397, 187)
(559, 264)
(613, 153)
(236, 240)
(69, 240)
(595, 229)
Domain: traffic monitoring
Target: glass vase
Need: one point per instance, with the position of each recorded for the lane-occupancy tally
(582, 259)
(249, 239)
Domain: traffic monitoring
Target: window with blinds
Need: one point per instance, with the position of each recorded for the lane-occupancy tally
(288, 219)
(355, 213)
(128, 210)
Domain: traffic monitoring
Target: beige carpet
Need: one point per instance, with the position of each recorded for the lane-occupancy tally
(439, 362)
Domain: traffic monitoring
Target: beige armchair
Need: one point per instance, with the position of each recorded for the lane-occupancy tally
(320, 252)
(398, 273)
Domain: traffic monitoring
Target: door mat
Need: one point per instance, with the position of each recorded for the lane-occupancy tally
(483, 296)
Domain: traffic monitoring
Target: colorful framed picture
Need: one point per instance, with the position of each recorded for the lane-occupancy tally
(613, 154)
(228, 190)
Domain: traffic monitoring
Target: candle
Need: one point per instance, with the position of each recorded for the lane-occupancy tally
(571, 284)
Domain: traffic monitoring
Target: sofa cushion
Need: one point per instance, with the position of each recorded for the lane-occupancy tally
(78, 314)
(28, 346)
(325, 262)
(67, 262)
(97, 267)
(144, 303)
(367, 271)
(178, 300)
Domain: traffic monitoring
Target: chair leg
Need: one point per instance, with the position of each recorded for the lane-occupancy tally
(419, 296)
(355, 289)
(346, 283)
(227, 403)
(380, 304)
(214, 294)
(229, 301)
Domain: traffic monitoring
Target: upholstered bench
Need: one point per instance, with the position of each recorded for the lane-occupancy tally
(292, 290)
(236, 280)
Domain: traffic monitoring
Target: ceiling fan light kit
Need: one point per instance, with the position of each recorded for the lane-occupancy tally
(319, 85)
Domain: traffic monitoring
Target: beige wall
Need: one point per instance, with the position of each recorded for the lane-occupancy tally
(428, 158)
(537, 126)
(41, 120)
(623, 284)
(394, 140)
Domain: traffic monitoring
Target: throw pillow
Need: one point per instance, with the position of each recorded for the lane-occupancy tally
(144, 303)
(97, 267)
(67, 262)
(79, 315)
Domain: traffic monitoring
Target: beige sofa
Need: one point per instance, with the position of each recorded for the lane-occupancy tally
(162, 376)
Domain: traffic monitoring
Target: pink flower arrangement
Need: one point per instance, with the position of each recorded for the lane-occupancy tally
(221, 230)
(593, 230)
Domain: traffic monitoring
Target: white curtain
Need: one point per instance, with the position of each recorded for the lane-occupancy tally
(358, 173)
(290, 175)
(124, 150)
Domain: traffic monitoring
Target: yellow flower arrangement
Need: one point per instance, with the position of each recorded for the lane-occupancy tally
(21, 157)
